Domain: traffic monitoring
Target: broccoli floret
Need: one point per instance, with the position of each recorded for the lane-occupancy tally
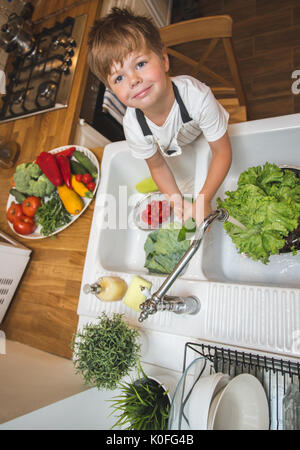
(26, 182)
(34, 170)
(41, 187)
(21, 167)
(48, 186)
(22, 180)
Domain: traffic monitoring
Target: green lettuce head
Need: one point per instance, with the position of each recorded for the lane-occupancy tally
(267, 202)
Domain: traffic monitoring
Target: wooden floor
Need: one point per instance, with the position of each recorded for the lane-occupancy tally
(266, 38)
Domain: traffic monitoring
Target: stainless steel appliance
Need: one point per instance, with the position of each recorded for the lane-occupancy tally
(43, 68)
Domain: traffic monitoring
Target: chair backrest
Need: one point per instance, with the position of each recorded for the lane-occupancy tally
(214, 28)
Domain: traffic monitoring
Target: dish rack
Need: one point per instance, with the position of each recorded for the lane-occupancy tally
(14, 258)
(274, 374)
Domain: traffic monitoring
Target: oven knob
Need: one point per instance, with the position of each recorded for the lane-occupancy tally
(70, 52)
(71, 41)
(60, 41)
(68, 61)
(65, 68)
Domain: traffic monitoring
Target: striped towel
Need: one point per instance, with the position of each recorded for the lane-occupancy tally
(113, 106)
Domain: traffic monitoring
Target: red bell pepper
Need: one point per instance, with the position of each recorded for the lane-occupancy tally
(68, 152)
(64, 165)
(48, 165)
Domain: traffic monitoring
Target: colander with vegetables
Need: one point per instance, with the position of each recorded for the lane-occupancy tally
(267, 203)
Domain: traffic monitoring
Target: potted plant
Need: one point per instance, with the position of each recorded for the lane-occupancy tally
(106, 351)
(144, 404)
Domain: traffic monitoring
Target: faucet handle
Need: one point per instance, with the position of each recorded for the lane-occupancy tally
(148, 307)
(145, 291)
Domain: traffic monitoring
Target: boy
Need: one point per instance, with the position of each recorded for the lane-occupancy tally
(163, 114)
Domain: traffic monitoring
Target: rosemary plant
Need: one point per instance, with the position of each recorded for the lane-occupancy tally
(105, 352)
(143, 405)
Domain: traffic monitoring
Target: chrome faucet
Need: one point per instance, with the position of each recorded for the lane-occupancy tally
(159, 301)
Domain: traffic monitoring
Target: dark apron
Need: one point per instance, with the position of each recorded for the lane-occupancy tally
(183, 112)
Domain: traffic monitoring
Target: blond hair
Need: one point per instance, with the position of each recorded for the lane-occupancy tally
(116, 35)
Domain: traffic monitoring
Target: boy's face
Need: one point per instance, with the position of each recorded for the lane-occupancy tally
(141, 80)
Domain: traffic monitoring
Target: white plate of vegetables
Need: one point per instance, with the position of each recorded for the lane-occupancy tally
(52, 192)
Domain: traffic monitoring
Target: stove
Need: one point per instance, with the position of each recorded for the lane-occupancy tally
(42, 79)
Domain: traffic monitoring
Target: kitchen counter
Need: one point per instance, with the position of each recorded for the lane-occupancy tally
(43, 311)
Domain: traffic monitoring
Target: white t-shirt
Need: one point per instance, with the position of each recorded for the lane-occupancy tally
(207, 114)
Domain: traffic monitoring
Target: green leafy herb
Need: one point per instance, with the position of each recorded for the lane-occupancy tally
(163, 250)
(188, 227)
(143, 405)
(106, 351)
(267, 202)
(52, 215)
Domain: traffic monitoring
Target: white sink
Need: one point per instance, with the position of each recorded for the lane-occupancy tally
(253, 147)
(121, 243)
(243, 303)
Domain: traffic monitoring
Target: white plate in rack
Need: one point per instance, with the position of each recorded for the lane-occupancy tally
(241, 405)
(36, 234)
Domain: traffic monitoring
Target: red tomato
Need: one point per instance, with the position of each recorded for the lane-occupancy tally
(91, 186)
(24, 225)
(156, 212)
(78, 177)
(144, 216)
(87, 178)
(13, 212)
(30, 206)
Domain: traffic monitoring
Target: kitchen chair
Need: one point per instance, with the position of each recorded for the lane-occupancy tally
(216, 29)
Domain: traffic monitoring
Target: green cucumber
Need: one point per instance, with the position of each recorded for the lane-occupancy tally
(86, 162)
(77, 168)
(18, 195)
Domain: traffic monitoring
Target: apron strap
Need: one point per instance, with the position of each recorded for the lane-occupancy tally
(183, 112)
(143, 124)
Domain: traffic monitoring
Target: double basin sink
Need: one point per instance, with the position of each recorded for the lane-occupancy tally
(243, 302)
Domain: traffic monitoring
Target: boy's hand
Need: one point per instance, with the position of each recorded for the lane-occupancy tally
(183, 210)
(201, 209)
(198, 210)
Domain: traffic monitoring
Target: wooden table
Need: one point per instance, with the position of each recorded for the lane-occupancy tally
(43, 311)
